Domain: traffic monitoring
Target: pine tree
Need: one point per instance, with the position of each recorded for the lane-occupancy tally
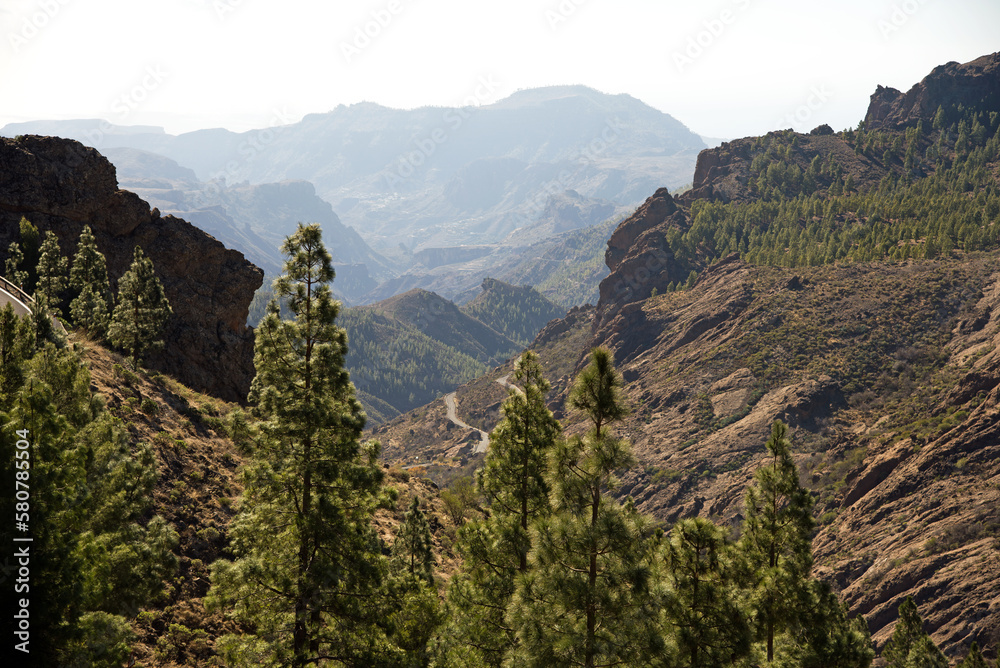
(30, 246)
(93, 558)
(777, 542)
(585, 598)
(308, 575)
(51, 274)
(910, 646)
(142, 310)
(412, 548)
(89, 278)
(17, 342)
(825, 637)
(709, 626)
(417, 609)
(14, 266)
(495, 549)
(974, 659)
(513, 477)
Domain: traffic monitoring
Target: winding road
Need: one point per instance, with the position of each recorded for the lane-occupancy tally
(452, 409)
(451, 406)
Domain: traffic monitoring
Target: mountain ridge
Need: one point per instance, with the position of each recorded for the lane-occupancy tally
(880, 356)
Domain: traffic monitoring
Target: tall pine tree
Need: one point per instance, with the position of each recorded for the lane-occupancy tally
(52, 266)
(88, 277)
(584, 600)
(412, 547)
(701, 610)
(308, 572)
(495, 549)
(795, 618)
(777, 541)
(142, 310)
(910, 646)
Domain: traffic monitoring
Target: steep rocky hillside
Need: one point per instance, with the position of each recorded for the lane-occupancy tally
(198, 492)
(61, 186)
(872, 334)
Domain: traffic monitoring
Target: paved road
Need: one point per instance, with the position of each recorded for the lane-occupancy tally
(7, 298)
(505, 383)
(452, 409)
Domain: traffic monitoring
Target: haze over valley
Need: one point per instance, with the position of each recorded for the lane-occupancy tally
(452, 335)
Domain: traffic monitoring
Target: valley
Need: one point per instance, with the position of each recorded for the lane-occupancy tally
(538, 301)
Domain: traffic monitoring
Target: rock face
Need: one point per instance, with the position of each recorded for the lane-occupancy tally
(887, 374)
(906, 482)
(976, 83)
(639, 256)
(60, 186)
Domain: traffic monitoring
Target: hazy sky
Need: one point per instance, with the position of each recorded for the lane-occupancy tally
(726, 68)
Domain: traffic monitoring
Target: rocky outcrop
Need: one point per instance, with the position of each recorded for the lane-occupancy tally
(975, 84)
(639, 256)
(60, 186)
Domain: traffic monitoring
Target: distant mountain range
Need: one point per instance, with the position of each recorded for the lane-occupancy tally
(407, 180)
(254, 219)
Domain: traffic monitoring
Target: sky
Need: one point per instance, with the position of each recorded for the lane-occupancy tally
(724, 68)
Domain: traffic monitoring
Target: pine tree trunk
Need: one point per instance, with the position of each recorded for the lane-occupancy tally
(591, 585)
(302, 638)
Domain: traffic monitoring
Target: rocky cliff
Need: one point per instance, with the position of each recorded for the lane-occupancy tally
(61, 185)
(972, 84)
(886, 372)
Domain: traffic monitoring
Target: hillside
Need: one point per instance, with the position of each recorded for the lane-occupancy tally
(517, 312)
(198, 490)
(62, 186)
(396, 367)
(848, 285)
(443, 321)
(564, 261)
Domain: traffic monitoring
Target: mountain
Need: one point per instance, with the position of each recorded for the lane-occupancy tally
(407, 350)
(442, 320)
(517, 312)
(61, 186)
(845, 283)
(437, 176)
(396, 367)
(254, 219)
(565, 241)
